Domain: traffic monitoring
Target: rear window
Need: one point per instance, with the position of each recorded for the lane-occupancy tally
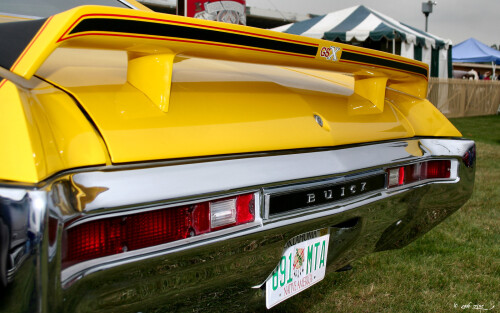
(45, 8)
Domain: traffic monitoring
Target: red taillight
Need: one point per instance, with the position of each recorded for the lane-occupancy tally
(201, 222)
(245, 208)
(109, 236)
(401, 176)
(412, 173)
(156, 227)
(436, 169)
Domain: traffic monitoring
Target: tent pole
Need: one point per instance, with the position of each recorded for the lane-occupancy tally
(394, 42)
(494, 67)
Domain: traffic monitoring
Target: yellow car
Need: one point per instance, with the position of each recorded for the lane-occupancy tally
(153, 162)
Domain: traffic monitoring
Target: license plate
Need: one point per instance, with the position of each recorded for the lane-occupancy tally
(302, 265)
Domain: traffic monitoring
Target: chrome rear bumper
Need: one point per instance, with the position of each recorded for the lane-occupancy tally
(219, 268)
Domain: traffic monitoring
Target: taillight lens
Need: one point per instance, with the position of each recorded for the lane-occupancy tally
(412, 173)
(109, 236)
(245, 209)
(469, 157)
(436, 169)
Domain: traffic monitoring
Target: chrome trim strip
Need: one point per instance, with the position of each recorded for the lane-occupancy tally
(267, 200)
(20, 15)
(19, 80)
(400, 92)
(124, 2)
(133, 187)
(128, 4)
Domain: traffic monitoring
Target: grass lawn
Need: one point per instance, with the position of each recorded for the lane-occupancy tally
(454, 265)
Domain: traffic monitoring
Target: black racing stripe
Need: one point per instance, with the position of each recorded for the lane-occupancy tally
(362, 58)
(187, 32)
(14, 37)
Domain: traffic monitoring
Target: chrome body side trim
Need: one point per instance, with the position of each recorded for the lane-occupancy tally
(20, 15)
(132, 187)
(123, 2)
(221, 264)
(128, 4)
(19, 80)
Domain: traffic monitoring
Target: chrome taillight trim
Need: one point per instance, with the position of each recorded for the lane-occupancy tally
(70, 273)
(160, 206)
(454, 175)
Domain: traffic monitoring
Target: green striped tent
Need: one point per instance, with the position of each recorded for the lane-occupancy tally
(363, 26)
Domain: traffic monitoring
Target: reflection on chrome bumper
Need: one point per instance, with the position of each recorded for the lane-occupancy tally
(222, 266)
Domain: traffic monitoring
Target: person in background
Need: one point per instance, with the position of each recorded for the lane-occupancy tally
(472, 72)
(487, 75)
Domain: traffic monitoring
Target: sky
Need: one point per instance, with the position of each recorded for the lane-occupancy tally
(457, 20)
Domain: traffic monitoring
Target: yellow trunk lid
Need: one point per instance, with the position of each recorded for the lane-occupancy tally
(217, 107)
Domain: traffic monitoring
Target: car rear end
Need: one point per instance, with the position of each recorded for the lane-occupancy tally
(163, 172)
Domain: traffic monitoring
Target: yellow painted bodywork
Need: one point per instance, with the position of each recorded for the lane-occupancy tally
(194, 106)
(369, 96)
(220, 107)
(43, 133)
(152, 74)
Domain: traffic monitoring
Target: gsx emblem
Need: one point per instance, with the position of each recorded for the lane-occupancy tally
(330, 53)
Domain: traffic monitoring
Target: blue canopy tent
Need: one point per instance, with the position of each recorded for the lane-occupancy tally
(474, 51)
(363, 26)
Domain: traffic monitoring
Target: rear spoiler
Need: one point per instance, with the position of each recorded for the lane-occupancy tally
(152, 41)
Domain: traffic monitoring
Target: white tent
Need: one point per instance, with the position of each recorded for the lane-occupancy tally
(360, 24)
